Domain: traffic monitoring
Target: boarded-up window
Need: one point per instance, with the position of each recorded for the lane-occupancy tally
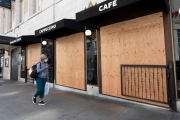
(33, 54)
(70, 61)
(138, 41)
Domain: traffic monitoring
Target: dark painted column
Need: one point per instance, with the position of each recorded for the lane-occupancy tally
(169, 58)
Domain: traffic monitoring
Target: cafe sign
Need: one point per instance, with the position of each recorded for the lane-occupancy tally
(49, 28)
(108, 5)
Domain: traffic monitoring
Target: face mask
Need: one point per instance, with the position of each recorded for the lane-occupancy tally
(46, 60)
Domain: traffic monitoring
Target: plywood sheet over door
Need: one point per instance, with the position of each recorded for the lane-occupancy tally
(137, 41)
(70, 61)
(33, 54)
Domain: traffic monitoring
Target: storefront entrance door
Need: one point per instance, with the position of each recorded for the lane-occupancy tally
(14, 64)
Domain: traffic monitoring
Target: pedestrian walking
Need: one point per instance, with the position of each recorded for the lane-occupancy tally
(42, 78)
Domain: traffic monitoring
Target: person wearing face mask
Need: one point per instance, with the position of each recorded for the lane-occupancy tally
(43, 76)
(46, 60)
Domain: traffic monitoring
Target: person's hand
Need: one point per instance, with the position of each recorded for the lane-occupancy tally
(46, 67)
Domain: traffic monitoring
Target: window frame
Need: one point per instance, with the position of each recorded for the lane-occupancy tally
(36, 6)
(22, 11)
(178, 37)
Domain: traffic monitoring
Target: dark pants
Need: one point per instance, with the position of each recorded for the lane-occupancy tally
(40, 84)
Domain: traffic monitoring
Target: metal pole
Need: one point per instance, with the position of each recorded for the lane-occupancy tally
(26, 64)
(54, 45)
(26, 75)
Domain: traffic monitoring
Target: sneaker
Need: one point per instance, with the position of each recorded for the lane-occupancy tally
(34, 100)
(41, 103)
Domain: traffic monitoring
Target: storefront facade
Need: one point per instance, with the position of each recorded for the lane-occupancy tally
(5, 56)
(135, 48)
(124, 49)
(68, 38)
(127, 56)
(27, 53)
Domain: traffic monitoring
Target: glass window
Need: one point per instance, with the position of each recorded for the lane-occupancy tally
(22, 63)
(36, 5)
(22, 10)
(178, 33)
(48, 50)
(5, 15)
(91, 42)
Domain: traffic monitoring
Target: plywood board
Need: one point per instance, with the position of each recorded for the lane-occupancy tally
(33, 54)
(70, 69)
(136, 41)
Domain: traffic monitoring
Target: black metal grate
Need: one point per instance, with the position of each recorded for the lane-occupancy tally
(146, 82)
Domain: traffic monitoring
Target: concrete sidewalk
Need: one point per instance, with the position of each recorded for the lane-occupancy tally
(15, 104)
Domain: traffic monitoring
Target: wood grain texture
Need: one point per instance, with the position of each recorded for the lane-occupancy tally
(33, 54)
(70, 61)
(136, 41)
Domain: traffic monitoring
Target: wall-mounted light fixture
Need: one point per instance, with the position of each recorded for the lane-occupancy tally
(179, 10)
(88, 32)
(44, 42)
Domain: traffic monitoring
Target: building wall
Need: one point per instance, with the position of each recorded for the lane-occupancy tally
(22, 20)
(6, 70)
(25, 21)
(26, 16)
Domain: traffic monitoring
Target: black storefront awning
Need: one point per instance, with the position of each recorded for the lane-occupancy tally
(4, 39)
(63, 27)
(25, 40)
(120, 9)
